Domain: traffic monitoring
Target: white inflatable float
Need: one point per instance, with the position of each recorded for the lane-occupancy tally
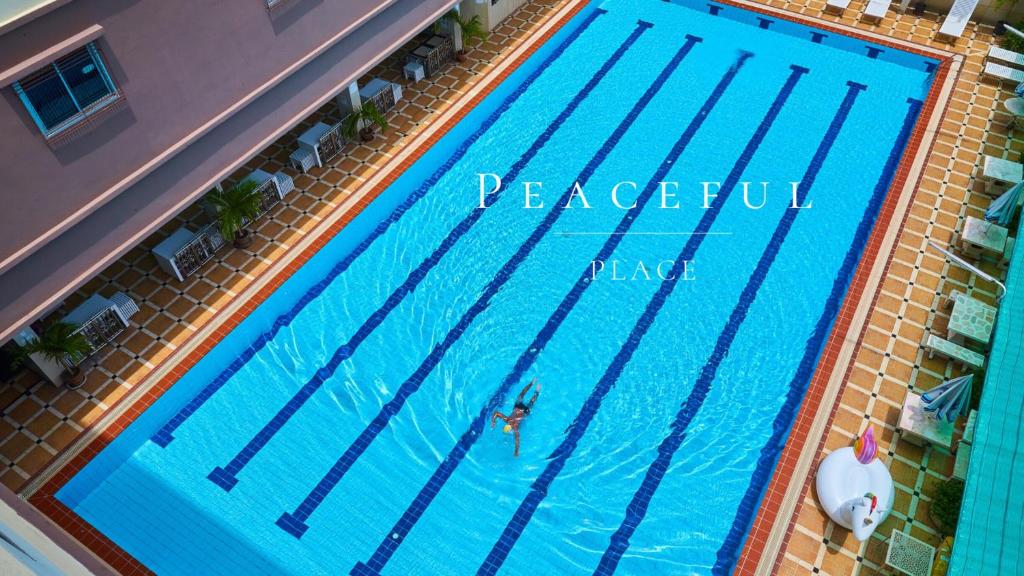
(854, 488)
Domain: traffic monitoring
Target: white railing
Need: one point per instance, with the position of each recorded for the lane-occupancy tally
(964, 263)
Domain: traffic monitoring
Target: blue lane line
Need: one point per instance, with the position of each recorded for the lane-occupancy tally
(165, 434)
(538, 490)
(728, 554)
(295, 522)
(637, 508)
(447, 467)
(226, 476)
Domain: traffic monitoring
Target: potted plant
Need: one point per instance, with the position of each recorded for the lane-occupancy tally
(236, 207)
(944, 510)
(61, 344)
(472, 28)
(364, 121)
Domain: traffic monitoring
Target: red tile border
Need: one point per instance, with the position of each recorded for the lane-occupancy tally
(782, 477)
(45, 499)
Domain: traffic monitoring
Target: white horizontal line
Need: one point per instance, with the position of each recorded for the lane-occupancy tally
(644, 233)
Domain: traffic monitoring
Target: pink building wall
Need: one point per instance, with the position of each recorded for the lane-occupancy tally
(205, 82)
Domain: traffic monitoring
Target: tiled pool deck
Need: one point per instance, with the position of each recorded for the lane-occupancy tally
(40, 422)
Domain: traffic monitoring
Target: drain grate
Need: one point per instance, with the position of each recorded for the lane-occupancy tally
(909, 555)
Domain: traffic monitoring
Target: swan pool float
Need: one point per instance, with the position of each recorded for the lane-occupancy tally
(854, 488)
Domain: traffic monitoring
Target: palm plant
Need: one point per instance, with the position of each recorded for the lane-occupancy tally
(61, 344)
(472, 28)
(236, 207)
(363, 121)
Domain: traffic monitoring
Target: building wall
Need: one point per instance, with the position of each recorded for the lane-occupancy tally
(65, 261)
(31, 546)
(491, 14)
(502, 9)
(180, 64)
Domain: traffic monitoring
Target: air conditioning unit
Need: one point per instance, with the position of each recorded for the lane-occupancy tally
(383, 94)
(323, 142)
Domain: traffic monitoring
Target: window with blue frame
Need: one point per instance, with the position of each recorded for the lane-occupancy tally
(68, 90)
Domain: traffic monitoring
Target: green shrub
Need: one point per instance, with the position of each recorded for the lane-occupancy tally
(976, 385)
(1012, 41)
(945, 507)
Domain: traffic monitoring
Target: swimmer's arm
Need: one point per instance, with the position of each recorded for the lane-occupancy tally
(496, 416)
(525, 390)
(517, 443)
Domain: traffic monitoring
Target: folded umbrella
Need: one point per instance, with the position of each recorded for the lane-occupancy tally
(950, 399)
(1001, 209)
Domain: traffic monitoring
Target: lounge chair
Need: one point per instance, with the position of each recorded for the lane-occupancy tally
(876, 9)
(1004, 55)
(837, 6)
(957, 19)
(938, 345)
(1003, 72)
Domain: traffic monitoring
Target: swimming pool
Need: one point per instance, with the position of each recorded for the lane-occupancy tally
(343, 425)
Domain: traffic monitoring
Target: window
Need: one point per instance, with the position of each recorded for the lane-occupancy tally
(67, 91)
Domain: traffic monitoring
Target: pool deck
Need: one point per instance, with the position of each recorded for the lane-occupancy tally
(43, 427)
(887, 358)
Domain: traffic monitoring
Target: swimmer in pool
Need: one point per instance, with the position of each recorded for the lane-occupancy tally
(519, 412)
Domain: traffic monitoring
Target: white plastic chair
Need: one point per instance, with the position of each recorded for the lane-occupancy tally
(1004, 55)
(957, 19)
(876, 9)
(1003, 72)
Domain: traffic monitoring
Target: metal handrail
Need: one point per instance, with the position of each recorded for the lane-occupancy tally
(1013, 31)
(965, 264)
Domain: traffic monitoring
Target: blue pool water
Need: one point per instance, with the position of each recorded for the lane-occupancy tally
(342, 427)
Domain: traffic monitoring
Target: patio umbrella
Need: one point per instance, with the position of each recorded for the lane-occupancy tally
(1001, 209)
(949, 399)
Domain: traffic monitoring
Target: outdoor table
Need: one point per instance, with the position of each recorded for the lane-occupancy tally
(414, 71)
(920, 428)
(1000, 170)
(983, 235)
(1014, 106)
(972, 319)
